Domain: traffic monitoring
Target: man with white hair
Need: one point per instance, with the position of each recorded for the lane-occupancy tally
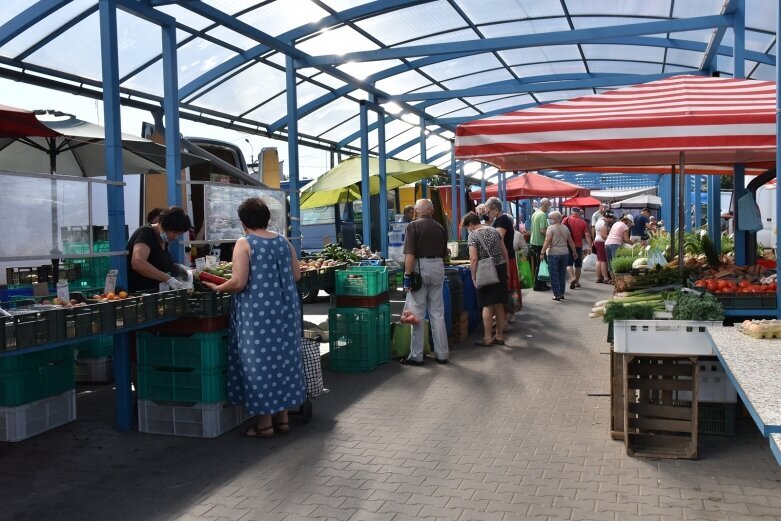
(425, 247)
(539, 227)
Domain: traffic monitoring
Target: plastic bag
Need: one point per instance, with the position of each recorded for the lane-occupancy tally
(525, 274)
(544, 274)
(590, 262)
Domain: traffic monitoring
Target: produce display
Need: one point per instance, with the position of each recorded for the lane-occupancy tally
(734, 279)
(219, 274)
(761, 328)
(316, 264)
(693, 306)
(626, 305)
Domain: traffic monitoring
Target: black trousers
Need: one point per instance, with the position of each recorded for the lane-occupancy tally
(535, 257)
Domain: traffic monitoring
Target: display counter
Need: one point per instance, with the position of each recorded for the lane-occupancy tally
(752, 366)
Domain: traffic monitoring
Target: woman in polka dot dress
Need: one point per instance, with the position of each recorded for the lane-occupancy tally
(265, 369)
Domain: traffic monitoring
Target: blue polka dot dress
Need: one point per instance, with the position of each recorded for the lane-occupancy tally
(265, 369)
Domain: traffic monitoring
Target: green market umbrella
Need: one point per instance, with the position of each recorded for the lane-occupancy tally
(341, 184)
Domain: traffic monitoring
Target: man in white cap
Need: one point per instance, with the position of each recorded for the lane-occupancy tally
(579, 229)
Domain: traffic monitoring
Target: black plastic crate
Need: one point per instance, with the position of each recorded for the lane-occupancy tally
(208, 304)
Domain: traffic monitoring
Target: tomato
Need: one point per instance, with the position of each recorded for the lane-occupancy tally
(711, 285)
(700, 283)
(744, 284)
(722, 284)
(772, 287)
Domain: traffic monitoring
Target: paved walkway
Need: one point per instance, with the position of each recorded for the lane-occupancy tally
(504, 433)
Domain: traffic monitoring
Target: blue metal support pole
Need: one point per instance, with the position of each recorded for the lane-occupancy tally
(687, 204)
(423, 158)
(714, 211)
(461, 195)
(383, 185)
(482, 183)
(292, 153)
(115, 195)
(778, 178)
(366, 211)
(173, 158)
(665, 195)
(739, 172)
(453, 191)
(697, 200)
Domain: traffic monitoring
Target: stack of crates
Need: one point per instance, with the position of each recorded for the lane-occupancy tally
(182, 379)
(92, 360)
(359, 324)
(93, 270)
(36, 393)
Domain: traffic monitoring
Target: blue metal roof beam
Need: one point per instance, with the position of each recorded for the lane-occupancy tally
(512, 87)
(28, 18)
(54, 34)
(729, 7)
(363, 11)
(526, 40)
(250, 32)
(648, 41)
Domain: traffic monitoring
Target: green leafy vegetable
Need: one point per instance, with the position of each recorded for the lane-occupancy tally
(622, 264)
(696, 306)
(621, 311)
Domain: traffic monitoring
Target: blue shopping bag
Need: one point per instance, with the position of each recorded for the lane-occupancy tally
(544, 274)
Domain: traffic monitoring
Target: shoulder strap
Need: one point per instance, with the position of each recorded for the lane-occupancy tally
(482, 242)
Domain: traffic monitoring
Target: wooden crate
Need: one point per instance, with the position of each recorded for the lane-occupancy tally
(616, 395)
(655, 424)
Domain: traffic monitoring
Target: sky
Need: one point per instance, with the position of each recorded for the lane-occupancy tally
(312, 162)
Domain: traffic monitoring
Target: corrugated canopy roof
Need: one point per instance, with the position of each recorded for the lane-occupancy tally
(442, 61)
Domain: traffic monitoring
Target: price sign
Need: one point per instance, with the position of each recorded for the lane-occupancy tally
(212, 261)
(200, 264)
(63, 293)
(111, 282)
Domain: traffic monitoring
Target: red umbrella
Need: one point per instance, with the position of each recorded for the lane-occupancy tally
(532, 184)
(21, 123)
(581, 202)
(714, 121)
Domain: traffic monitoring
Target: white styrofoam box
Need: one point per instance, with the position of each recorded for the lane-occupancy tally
(200, 420)
(712, 384)
(95, 370)
(663, 337)
(28, 420)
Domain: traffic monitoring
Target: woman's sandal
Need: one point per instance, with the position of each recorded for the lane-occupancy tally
(265, 432)
(484, 343)
(497, 342)
(282, 427)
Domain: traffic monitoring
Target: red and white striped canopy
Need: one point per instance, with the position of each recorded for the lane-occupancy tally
(715, 121)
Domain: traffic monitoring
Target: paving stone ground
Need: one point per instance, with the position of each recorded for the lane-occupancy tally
(503, 433)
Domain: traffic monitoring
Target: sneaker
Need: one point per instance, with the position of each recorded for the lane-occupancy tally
(410, 361)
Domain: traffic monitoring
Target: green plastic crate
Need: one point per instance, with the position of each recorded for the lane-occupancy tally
(197, 351)
(362, 281)
(182, 385)
(35, 376)
(359, 338)
(98, 348)
(714, 418)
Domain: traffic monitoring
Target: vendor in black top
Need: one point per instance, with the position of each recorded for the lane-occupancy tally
(149, 262)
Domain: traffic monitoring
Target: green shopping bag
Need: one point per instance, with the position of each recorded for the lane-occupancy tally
(402, 336)
(525, 273)
(544, 274)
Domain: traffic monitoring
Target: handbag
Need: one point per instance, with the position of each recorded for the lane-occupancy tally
(486, 269)
(513, 301)
(313, 371)
(544, 274)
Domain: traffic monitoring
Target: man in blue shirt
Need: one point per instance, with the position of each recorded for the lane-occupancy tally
(639, 232)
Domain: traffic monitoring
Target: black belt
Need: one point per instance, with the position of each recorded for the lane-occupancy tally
(429, 257)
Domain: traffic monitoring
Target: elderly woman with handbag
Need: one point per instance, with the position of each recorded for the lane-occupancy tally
(488, 262)
(556, 252)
